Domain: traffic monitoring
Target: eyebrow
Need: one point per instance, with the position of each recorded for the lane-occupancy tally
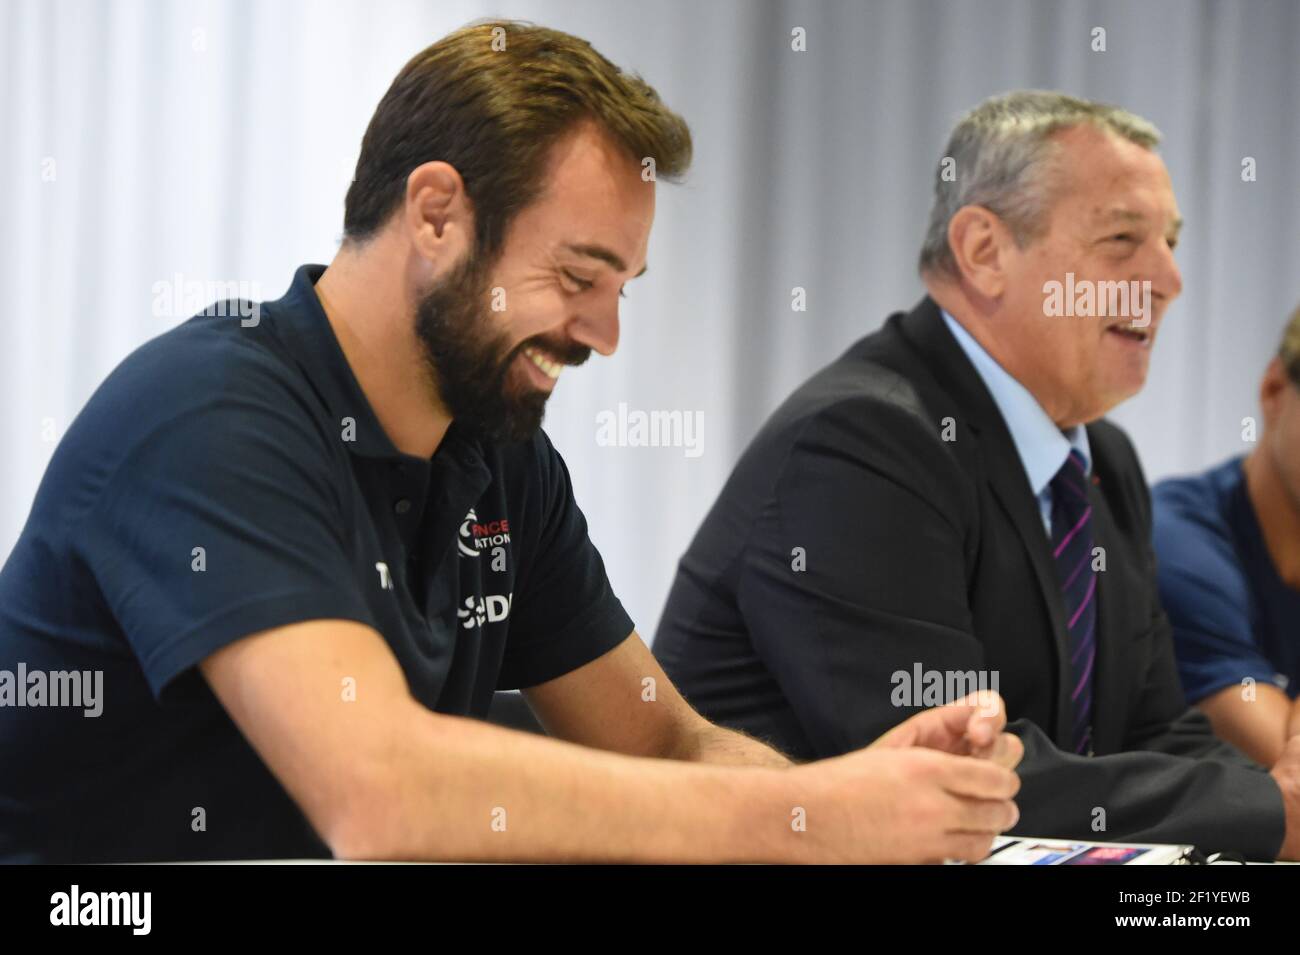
(605, 255)
(1128, 215)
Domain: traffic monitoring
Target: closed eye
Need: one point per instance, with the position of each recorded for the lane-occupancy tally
(583, 284)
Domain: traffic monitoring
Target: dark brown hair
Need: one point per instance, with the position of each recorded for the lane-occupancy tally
(491, 99)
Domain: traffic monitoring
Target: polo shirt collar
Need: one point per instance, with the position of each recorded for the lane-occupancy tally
(1042, 446)
(311, 340)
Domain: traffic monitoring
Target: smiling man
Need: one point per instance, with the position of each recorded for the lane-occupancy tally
(303, 550)
(947, 499)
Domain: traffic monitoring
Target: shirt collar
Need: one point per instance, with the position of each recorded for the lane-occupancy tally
(1042, 446)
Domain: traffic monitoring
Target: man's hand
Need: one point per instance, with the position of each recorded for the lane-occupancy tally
(1286, 773)
(972, 726)
(937, 786)
(895, 803)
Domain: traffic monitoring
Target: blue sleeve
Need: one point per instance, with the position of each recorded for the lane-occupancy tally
(1207, 597)
(564, 613)
(220, 522)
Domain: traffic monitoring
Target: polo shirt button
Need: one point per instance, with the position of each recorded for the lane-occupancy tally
(402, 506)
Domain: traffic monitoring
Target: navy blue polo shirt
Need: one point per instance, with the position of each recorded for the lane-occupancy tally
(229, 477)
(1233, 617)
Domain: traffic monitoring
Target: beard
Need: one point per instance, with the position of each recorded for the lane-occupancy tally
(470, 358)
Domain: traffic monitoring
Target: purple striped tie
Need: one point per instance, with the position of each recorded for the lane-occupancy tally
(1072, 555)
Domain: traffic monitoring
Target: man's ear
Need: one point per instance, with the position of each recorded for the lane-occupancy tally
(437, 215)
(979, 241)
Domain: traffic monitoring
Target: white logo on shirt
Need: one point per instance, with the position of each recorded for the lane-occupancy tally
(465, 535)
(491, 609)
(385, 581)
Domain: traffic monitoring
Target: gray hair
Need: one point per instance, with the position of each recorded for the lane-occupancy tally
(1001, 153)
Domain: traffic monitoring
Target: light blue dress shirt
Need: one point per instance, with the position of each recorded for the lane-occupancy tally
(1043, 447)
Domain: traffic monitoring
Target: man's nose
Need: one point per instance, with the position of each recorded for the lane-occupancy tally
(597, 328)
(1166, 278)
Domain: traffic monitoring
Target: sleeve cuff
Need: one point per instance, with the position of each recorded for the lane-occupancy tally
(266, 613)
(592, 635)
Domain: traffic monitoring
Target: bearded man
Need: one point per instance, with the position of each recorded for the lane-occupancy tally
(303, 548)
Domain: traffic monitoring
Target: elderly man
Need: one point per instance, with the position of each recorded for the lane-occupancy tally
(1229, 547)
(943, 505)
(300, 548)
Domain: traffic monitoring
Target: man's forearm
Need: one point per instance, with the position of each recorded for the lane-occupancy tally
(457, 789)
(1293, 721)
(710, 743)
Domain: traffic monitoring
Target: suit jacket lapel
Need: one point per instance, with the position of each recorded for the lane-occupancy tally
(925, 327)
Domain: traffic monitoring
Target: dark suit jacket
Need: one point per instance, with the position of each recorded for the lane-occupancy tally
(881, 521)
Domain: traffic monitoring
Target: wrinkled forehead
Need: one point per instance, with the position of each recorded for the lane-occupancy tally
(1102, 179)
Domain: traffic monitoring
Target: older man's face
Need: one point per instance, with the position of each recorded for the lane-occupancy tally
(1115, 220)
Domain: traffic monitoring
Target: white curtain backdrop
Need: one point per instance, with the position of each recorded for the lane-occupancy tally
(148, 141)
